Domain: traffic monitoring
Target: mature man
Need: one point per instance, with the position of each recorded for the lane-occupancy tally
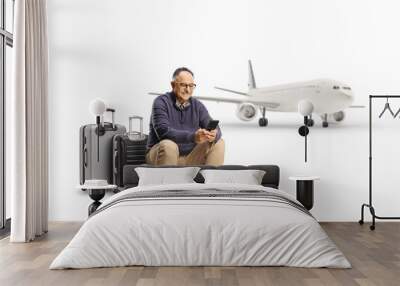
(178, 122)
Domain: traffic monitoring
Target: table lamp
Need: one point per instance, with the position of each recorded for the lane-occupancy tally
(305, 108)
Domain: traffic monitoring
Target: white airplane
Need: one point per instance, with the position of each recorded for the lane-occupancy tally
(325, 97)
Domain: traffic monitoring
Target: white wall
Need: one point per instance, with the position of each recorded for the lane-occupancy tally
(120, 50)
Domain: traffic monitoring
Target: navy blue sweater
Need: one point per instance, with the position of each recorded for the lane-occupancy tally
(167, 121)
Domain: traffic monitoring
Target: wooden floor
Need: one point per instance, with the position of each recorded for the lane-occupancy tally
(374, 255)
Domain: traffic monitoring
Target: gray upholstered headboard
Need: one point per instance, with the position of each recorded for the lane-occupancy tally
(270, 179)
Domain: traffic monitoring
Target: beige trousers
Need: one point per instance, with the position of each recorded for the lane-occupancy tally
(166, 152)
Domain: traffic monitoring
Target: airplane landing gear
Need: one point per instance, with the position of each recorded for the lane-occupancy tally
(325, 121)
(263, 121)
(310, 122)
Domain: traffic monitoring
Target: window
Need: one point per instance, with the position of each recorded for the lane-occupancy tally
(6, 44)
(335, 87)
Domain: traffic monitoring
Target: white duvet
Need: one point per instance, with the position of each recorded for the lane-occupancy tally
(185, 231)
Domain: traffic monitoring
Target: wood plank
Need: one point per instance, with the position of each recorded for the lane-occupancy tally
(375, 257)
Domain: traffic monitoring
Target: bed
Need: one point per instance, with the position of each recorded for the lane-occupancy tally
(201, 224)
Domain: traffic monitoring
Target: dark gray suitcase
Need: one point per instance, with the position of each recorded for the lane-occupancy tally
(129, 149)
(97, 163)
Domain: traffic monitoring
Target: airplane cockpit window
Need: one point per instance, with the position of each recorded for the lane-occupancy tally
(346, 87)
(335, 87)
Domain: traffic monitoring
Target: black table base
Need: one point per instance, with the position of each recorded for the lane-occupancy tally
(96, 195)
(305, 193)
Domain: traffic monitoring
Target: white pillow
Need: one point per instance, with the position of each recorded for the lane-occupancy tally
(248, 177)
(163, 176)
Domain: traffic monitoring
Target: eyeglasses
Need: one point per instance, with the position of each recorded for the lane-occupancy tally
(186, 85)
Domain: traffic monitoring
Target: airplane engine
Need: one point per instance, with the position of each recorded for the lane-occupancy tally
(246, 111)
(338, 116)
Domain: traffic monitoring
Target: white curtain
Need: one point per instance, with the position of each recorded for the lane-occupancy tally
(29, 122)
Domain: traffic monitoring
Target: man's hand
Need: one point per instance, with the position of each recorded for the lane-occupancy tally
(200, 136)
(211, 135)
(203, 135)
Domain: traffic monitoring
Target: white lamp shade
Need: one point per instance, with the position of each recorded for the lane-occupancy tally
(97, 107)
(305, 107)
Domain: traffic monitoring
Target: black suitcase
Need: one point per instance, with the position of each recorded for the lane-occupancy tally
(129, 149)
(95, 154)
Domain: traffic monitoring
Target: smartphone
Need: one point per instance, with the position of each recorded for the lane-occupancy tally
(212, 124)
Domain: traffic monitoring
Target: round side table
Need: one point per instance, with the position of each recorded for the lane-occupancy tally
(305, 190)
(96, 193)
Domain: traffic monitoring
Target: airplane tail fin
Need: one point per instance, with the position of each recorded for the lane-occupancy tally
(251, 84)
(252, 81)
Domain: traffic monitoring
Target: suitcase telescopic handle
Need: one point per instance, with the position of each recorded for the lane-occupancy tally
(131, 118)
(112, 110)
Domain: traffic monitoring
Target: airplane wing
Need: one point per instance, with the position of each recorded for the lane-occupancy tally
(238, 101)
(230, 100)
(220, 99)
(224, 89)
(357, 106)
(230, 90)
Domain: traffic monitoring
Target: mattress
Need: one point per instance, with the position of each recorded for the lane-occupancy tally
(201, 225)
